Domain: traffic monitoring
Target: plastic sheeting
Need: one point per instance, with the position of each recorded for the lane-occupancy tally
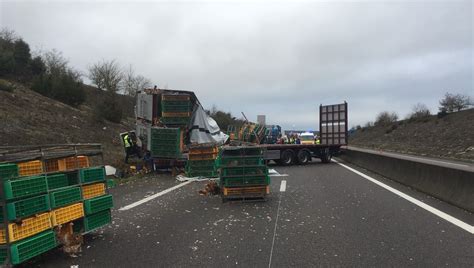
(204, 129)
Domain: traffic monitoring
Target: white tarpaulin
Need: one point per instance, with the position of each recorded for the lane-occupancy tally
(204, 129)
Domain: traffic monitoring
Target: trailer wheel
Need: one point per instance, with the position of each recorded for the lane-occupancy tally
(303, 157)
(326, 157)
(287, 157)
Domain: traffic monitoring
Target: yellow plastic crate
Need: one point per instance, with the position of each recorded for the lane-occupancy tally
(67, 214)
(93, 190)
(246, 190)
(3, 237)
(29, 227)
(72, 162)
(29, 168)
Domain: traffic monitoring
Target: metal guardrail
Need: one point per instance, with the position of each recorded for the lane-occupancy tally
(13, 154)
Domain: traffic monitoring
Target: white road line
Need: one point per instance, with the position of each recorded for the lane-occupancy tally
(151, 197)
(439, 213)
(283, 186)
(275, 230)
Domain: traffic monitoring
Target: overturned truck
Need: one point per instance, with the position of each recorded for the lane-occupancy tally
(168, 122)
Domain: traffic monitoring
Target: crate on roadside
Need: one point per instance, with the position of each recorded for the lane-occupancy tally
(30, 168)
(28, 227)
(250, 192)
(56, 181)
(176, 114)
(243, 181)
(89, 175)
(175, 121)
(93, 190)
(24, 187)
(67, 214)
(32, 247)
(97, 204)
(166, 142)
(65, 196)
(92, 221)
(27, 207)
(244, 171)
(234, 161)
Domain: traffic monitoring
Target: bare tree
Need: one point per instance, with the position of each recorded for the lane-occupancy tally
(55, 62)
(386, 118)
(454, 102)
(106, 75)
(133, 83)
(8, 35)
(419, 111)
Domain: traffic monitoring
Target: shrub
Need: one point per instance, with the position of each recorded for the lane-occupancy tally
(6, 86)
(108, 109)
(454, 102)
(386, 118)
(64, 87)
(419, 112)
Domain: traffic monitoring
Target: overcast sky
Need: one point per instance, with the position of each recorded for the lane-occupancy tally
(281, 59)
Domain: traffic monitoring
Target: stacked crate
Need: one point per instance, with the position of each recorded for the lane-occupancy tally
(26, 228)
(166, 142)
(31, 207)
(176, 109)
(97, 203)
(202, 161)
(243, 173)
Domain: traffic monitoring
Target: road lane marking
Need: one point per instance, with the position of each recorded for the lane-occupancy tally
(283, 186)
(275, 229)
(439, 213)
(151, 197)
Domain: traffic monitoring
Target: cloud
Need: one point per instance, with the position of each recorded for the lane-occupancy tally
(281, 59)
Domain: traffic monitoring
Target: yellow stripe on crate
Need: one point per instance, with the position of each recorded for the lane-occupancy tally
(30, 168)
(67, 214)
(93, 190)
(3, 238)
(29, 226)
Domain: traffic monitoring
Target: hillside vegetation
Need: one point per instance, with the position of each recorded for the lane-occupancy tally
(450, 137)
(29, 118)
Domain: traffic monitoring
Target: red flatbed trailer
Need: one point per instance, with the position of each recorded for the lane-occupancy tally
(333, 127)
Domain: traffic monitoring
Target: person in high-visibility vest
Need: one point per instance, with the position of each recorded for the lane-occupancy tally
(317, 141)
(127, 142)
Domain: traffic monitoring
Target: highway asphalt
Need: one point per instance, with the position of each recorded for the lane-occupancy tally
(328, 216)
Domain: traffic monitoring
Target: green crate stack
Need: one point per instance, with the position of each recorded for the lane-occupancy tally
(176, 106)
(166, 142)
(201, 168)
(242, 167)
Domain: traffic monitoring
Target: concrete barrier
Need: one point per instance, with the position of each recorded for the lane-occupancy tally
(454, 185)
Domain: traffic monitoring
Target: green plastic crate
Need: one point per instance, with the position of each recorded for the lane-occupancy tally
(200, 163)
(92, 174)
(176, 108)
(57, 181)
(245, 181)
(27, 207)
(239, 161)
(175, 121)
(32, 247)
(24, 187)
(8, 171)
(110, 183)
(1, 214)
(97, 204)
(242, 151)
(244, 171)
(202, 173)
(3, 255)
(165, 154)
(175, 102)
(65, 196)
(97, 220)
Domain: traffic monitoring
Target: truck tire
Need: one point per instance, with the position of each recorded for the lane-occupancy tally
(303, 157)
(287, 157)
(326, 157)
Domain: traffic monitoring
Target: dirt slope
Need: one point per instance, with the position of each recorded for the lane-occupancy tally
(450, 137)
(28, 118)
